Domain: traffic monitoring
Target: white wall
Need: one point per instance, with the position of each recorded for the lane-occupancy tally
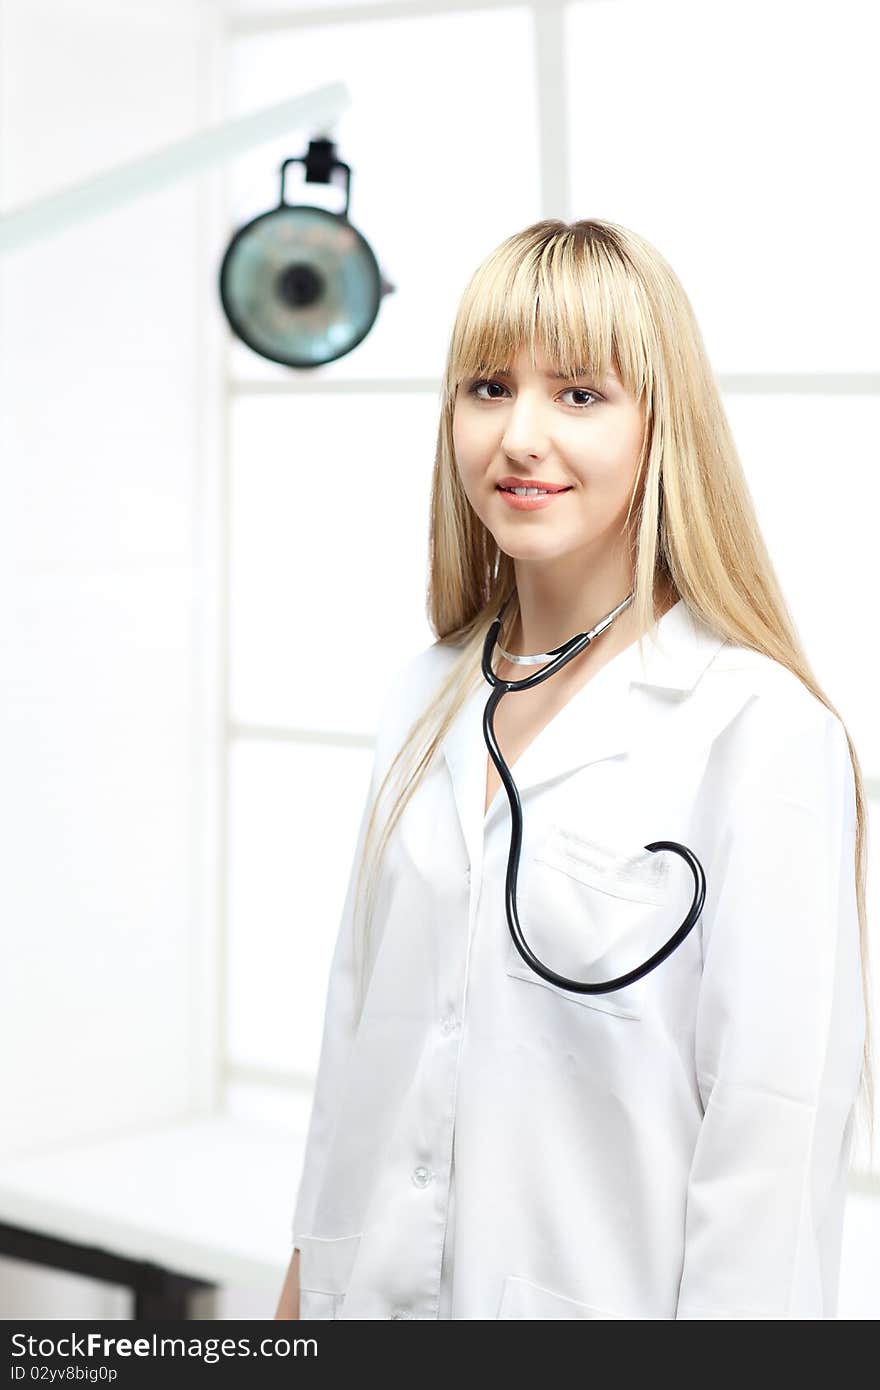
(107, 476)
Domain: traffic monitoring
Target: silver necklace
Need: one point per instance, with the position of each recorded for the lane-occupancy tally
(541, 657)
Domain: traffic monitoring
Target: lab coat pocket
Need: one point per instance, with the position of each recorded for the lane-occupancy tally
(592, 912)
(325, 1266)
(522, 1299)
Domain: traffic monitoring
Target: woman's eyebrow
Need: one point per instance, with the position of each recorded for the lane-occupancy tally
(578, 371)
(563, 376)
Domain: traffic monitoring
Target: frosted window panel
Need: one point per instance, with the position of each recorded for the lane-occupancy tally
(738, 139)
(441, 136)
(294, 816)
(329, 553)
(256, 10)
(813, 467)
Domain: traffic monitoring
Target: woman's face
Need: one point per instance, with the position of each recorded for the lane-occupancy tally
(527, 426)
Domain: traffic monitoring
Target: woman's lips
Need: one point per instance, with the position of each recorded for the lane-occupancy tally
(530, 504)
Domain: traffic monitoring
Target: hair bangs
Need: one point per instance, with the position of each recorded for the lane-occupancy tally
(568, 298)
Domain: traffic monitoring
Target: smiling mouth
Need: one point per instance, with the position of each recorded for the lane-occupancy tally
(534, 491)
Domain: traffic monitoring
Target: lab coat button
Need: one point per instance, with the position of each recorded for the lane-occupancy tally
(421, 1177)
(400, 1313)
(468, 875)
(448, 1023)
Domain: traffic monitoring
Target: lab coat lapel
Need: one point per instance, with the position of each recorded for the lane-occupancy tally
(595, 724)
(574, 737)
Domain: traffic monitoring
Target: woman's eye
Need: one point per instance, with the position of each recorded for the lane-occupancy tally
(474, 390)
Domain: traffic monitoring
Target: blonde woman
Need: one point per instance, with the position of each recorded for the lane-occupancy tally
(484, 1142)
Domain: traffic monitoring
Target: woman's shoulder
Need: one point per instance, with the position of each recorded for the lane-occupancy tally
(415, 682)
(778, 701)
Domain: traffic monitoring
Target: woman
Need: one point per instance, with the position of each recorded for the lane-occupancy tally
(484, 1142)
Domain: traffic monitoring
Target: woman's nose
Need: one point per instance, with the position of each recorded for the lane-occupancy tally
(525, 431)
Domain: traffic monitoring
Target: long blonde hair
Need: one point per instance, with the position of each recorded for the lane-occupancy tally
(592, 293)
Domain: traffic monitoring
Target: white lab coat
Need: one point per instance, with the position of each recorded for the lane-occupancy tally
(675, 1149)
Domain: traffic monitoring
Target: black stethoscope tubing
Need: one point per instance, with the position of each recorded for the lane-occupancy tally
(561, 656)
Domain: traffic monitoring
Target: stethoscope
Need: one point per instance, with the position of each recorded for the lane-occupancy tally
(557, 658)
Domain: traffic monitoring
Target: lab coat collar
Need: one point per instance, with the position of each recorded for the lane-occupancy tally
(683, 649)
(594, 724)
